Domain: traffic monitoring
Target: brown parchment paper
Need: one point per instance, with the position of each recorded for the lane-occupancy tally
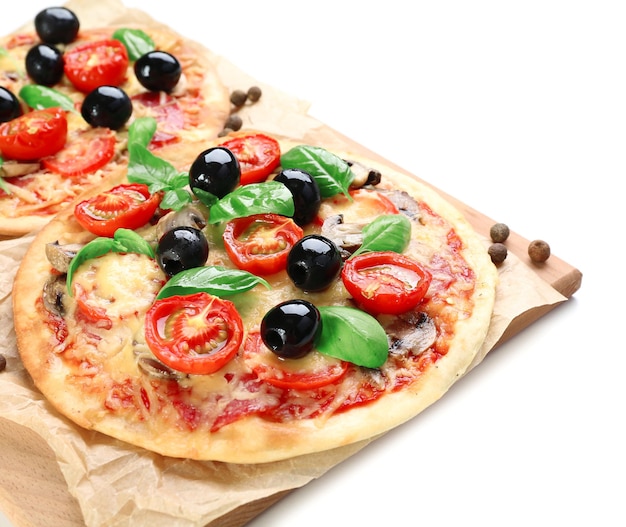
(103, 474)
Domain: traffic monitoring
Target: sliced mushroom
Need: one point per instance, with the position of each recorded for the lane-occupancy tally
(348, 237)
(404, 201)
(189, 216)
(11, 169)
(363, 175)
(54, 291)
(60, 256)
(151, 366)
(410, 333)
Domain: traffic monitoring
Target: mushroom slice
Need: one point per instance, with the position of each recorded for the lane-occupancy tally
(11, 169)
(404, 201)
(410, 333)
(60, 256)
(54, 294)
(363, 175)
(189, 216)
(348, 237)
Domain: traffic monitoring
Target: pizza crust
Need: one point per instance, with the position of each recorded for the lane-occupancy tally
(252, 439)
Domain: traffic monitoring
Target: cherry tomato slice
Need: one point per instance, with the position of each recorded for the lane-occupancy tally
(385, 282)
(258, 156)
(96, 63)
(260, 243)
(312, 371)
(196, 334)
(85, 153)
(169, 116)
(365, 206)
(34, 135)
(129, 206)
(89, 313)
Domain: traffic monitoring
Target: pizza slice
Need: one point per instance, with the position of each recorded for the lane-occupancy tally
(325, 301)
(68, 95)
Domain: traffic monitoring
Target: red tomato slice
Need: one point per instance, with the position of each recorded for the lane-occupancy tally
(385, 282)
(261, 243)
(169, 116)
(127, 206)
(258, 156)
(196, 334)
(84, 153)
(34, 135)
(96, 63)
(312, 371)
(366, 205)
(90, 313)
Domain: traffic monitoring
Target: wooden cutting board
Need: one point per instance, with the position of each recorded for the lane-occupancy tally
(33, 492)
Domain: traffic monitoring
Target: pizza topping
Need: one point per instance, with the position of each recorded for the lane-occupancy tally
(188, 216)
(9, 105)
(108, 107)
(57, 25)
(314, 263)
(363, 175)
(44, 64)
(128, 206)
(409, 333)
(86, 152)
(34, 135)
(182, 248)
(305, 192)
(291, 328)
(39, 97)
(261, 243)
(215, 171)
(196, 334)
(96, 63)
(54, 291)
(158, 71)
(258, 156)
(136, 41)
(385, 282)
(14, 169)
(60, 256)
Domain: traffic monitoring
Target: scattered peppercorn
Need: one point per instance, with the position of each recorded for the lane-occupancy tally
(238, 97)
(3, 362)
(499, 232)
(234, 122)
(498, 253)
(539, 251)
(254, 93)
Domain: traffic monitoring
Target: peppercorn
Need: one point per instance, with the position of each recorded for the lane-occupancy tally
(498, 253)
(234, 122)
(539, 251)
(238, 97)
(254, 93)
(499, 232)
(3, 362)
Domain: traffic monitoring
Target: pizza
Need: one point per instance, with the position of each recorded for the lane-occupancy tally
(296, 300)
(68, 95)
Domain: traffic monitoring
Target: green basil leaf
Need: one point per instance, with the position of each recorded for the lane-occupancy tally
(391, 232)
(352, 335)
(39, 97)
(333, 174)
(141, 131)
(123, 241)
(136, 42)
(4, 186)
(255, 198)
(206, 198)
(175, 199)
(215, 280)
(145, 167)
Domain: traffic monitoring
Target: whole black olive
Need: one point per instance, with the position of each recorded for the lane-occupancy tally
(313, 263)
(44, 64)
(57, 25)
(107, 106)
(182, 248)
(158, 71)
(305, 192)
(215, 171)
(291, 329)
(9, 105)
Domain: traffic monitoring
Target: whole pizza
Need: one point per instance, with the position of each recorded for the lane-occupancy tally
(271, 300)
(68, 95)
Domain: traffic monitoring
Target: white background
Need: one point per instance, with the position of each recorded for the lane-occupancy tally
(518, 109)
